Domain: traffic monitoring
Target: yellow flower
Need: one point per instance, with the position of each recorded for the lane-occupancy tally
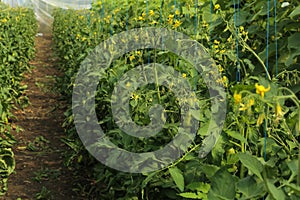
(177, 23)
(128, 85)
(134, 96)
(136, 38)
(251, 102)
(245, 33)
(216, 42)
(170, 19)
(243, 107)
(204, 24)
(141, 18)
(242, 29)
(4, 20)
(131, 58)
(231, 151)
(138, 53)
(278, 110)
(151, 13)
(225, 81)
(177, 12)
(273, 37)
(237, 98)
(260, 119)
(217, 7)
(221, 69)
(143, 14)
(248, 106)
(261, 90)
(116, 11)
(83, 39)
(121, 24)
(184, 75)
(219, 80)
(153, 22)
(106, 19)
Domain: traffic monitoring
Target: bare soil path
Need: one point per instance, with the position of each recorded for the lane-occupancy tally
(40, 172)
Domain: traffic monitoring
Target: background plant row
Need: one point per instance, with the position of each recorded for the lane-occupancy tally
(17, 31)
(243, 164)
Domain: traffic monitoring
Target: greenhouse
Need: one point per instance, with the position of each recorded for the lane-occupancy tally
(140, 99)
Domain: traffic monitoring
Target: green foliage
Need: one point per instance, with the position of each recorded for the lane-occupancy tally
(243, 164)
(17, 30)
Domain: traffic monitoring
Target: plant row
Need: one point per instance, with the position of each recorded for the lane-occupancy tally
(17, 30)
(256, 155)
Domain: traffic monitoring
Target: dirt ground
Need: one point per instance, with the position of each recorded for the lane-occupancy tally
(40, 172)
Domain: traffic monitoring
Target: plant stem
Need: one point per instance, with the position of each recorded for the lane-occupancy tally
(156, 78)
(243, 43)
(298, 175)
(243, 150)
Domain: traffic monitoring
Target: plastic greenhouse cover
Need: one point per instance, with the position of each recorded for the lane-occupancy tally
(43, 8)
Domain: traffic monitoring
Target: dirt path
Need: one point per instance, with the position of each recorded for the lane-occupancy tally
(40, 173)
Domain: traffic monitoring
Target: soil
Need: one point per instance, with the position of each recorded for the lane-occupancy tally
(40, 172)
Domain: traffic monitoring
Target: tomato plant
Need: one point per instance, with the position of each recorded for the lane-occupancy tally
(17, 30)
(257, 153)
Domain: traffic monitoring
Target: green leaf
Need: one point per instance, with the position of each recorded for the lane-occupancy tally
(191, 195)
(198, 186)
(222, 186)
(250, 65)
(276, 193)
(252, 163)
(209, 170)
(11, 58)
(294, 41)
(148, 179)
(178, 178)
(250, 188)
(237, 136)
(295, 12)
(197, 115)
(293, 166)
(203, 130)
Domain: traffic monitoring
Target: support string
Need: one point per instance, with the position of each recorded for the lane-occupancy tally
(236, 25)
(211, 19)
(275, 35)
(267, 66)
(147, 14)
(196, 33)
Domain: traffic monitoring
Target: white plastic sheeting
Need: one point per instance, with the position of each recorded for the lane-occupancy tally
(43, 8)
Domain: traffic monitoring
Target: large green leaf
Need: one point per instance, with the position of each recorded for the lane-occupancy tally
(276, 193)
(250, 188)
(295, 12)
(222, 186)
(252, 163)
(178, 178)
